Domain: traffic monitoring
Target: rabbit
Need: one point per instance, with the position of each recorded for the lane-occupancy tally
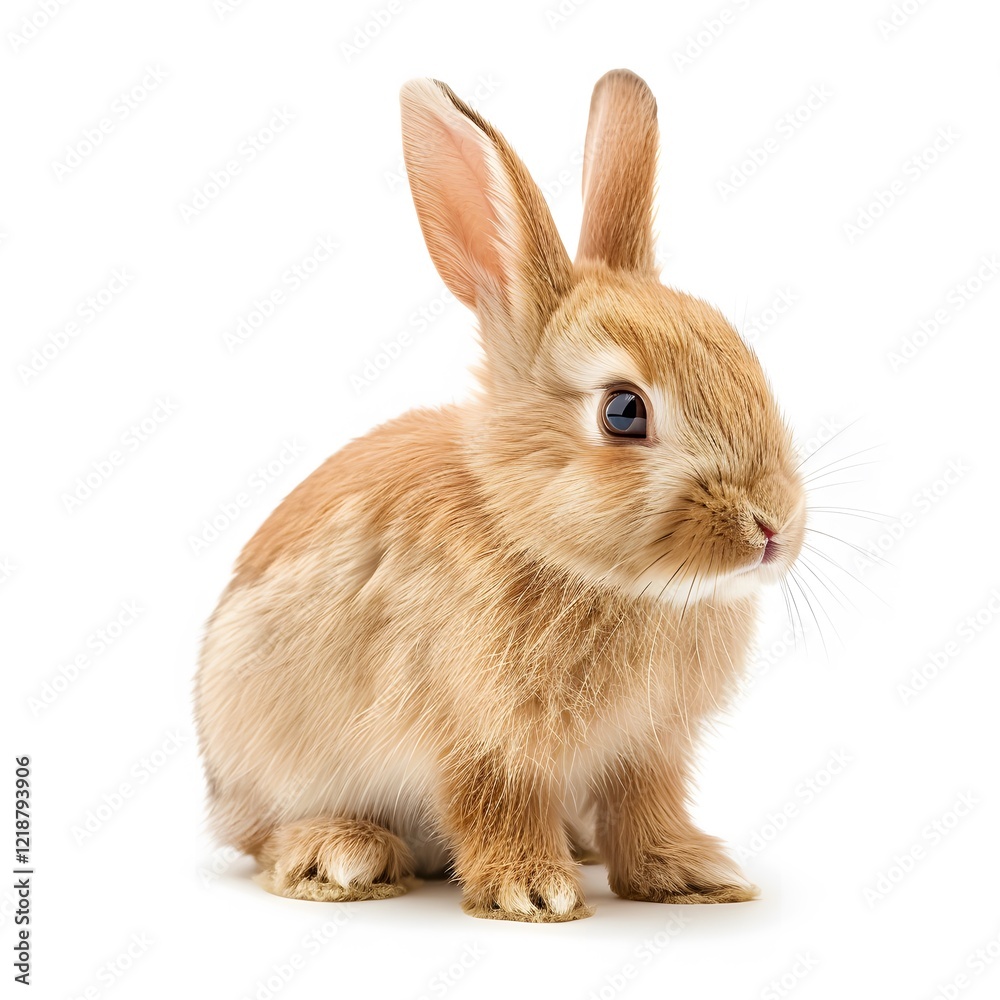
(482, 641)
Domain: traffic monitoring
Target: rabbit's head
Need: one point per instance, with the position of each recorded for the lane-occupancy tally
(624, 432)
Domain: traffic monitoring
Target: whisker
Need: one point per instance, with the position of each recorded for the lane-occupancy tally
(862, 510)
(857, 548)
(832, 472)
(828, 583)
(671, 580)
(843, 569)
(826, 614)
(798, 613)
(813, 454)
(843, 458)
(788, 606)
(798, 583)
(643, 572)
(851, 513)
(828, 486)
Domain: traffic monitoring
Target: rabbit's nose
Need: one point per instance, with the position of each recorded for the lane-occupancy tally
(766, 531)
(770, 546)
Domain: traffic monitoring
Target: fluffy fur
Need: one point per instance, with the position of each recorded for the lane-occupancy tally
(484, 639)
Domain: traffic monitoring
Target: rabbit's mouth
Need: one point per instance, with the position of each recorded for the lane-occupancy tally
(769, 553)
(757, 562)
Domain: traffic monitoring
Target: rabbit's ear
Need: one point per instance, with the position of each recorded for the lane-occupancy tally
(486, 224)
(619, 174)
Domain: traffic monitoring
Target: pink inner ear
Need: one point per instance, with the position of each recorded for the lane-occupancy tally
(477, 221)
(456, 198)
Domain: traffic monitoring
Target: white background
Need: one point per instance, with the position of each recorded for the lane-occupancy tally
(866, 810)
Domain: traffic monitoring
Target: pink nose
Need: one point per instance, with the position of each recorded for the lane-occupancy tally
(767, 532)
(770, 546)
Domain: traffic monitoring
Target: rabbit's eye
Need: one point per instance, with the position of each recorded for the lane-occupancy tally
(624, 414)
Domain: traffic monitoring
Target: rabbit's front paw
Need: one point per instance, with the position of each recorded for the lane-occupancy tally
(334, 860)
(533, 891)
(683, 873)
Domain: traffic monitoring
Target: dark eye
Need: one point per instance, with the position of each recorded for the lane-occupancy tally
(624, 414)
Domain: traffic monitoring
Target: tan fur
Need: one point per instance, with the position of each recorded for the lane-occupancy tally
(485, 639)
(619, 174)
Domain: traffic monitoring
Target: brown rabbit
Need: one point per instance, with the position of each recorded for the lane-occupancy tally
(485, 638)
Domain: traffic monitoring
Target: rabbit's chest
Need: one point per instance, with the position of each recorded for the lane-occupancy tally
(642, 683)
